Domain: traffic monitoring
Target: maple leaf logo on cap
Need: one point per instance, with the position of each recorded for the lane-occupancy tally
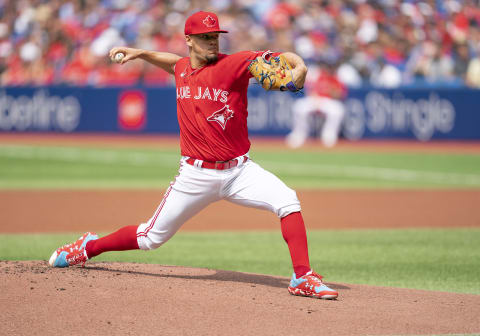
(209, 21)
(222, 116)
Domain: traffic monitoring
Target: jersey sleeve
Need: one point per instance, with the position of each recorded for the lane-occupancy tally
(180, 65)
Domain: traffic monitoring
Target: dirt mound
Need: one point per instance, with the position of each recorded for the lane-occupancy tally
(139, 299)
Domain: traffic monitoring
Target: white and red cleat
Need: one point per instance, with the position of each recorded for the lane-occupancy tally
(311, 285)
(72, 254)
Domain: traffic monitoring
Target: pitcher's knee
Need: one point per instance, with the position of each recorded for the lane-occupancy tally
(287, 210)
(150, 241)
(291, 204)
(150, 238)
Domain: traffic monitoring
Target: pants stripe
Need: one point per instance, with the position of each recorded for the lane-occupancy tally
(152, 223)
(144, 233)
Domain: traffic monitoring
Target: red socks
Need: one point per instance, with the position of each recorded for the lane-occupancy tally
(293, 231)
(121, 240)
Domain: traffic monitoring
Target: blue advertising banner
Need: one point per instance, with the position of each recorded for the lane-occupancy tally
(421, 114)
(67, 109)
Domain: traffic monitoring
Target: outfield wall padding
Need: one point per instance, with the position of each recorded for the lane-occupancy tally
(422, 114)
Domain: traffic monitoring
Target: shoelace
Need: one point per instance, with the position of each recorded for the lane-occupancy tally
(71, 247)
(316, 278)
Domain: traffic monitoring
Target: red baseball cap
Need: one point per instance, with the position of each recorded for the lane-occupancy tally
(202, 22)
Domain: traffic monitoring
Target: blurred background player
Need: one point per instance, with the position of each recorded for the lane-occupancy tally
(324, 97)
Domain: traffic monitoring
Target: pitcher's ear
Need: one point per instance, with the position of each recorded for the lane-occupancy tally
(188, 40)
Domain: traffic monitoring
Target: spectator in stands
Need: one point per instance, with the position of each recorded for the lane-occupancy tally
(385, 75)
(472, 77)
(415, 38)
(430, 63)
(461, 60)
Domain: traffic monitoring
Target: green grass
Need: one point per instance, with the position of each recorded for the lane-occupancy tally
(432, 259)
(83, 167)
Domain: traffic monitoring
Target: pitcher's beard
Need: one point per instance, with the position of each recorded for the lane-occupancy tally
(211, 59)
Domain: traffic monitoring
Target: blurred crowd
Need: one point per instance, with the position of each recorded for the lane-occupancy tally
(386, 43)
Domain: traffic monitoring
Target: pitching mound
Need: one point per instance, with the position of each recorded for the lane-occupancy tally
(139, 299)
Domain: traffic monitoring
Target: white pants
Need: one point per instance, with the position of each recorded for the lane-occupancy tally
(333, 110)
(194, 188)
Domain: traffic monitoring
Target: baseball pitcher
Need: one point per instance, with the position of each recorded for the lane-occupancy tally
(211, 93)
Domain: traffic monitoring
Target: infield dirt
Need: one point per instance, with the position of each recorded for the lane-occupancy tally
(136, 299)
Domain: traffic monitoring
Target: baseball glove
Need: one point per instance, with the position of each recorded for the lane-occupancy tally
(273, 74)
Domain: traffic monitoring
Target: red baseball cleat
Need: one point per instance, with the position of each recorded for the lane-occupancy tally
(72, 254)
(311, 285)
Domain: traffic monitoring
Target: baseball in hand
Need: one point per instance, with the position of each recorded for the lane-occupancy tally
(118, 57)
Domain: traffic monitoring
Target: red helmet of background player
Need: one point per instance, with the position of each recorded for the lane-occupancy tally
(202, 22)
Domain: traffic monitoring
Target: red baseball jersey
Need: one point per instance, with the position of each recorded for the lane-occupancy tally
(212, 107)
(328, 85)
